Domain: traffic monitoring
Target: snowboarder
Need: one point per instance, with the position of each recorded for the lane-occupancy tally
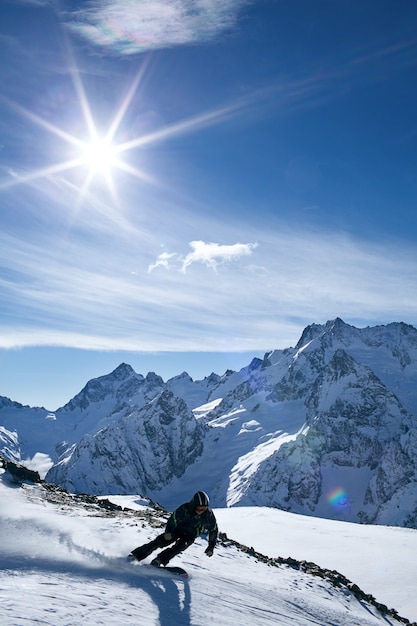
(185, 524)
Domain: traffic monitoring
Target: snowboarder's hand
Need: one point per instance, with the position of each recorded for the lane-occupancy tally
(208, 551)
(168, 536)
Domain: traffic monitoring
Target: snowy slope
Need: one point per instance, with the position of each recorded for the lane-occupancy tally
(380, 559)
(64, 565)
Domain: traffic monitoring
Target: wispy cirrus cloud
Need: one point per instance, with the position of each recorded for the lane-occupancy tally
(129, 26)
(210, 254)
(69, 291)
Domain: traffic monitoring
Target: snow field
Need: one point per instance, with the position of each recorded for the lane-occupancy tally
(66, 566)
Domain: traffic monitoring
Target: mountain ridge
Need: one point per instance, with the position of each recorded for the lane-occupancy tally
(337, 412)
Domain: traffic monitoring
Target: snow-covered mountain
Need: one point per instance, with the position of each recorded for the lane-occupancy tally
(327, 428)
(141, 451)
(103, 401)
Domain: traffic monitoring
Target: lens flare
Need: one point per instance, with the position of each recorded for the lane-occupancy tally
(338, 498)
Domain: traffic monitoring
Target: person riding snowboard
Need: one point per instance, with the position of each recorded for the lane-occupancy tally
(185, 524)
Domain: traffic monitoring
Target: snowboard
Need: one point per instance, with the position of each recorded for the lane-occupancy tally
(169, 569)
(177, 571)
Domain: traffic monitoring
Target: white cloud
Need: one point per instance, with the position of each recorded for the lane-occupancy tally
(129, 26)
(162, 261)
(210, 254)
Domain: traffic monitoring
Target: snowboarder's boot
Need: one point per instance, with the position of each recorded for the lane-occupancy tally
(139, 554)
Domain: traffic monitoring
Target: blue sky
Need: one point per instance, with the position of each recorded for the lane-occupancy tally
(185, 185)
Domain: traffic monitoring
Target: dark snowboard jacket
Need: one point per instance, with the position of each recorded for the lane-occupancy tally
(185, 522)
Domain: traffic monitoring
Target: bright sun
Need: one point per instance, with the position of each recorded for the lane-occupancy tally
(99, 156)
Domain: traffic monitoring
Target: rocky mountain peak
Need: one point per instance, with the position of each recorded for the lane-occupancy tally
(7, 403)
(122, 372)
(328, 334)
(156, 443)
(153, 380)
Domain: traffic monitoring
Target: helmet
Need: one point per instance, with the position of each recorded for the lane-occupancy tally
(201, 499)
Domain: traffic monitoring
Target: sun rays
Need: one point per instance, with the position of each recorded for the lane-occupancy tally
(95, 152)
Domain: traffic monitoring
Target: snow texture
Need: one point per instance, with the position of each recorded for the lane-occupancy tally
(64, 564)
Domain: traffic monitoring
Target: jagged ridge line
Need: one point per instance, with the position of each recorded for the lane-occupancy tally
(333, 576)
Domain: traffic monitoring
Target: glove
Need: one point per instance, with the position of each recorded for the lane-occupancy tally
(168, 536)
(208, 551)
